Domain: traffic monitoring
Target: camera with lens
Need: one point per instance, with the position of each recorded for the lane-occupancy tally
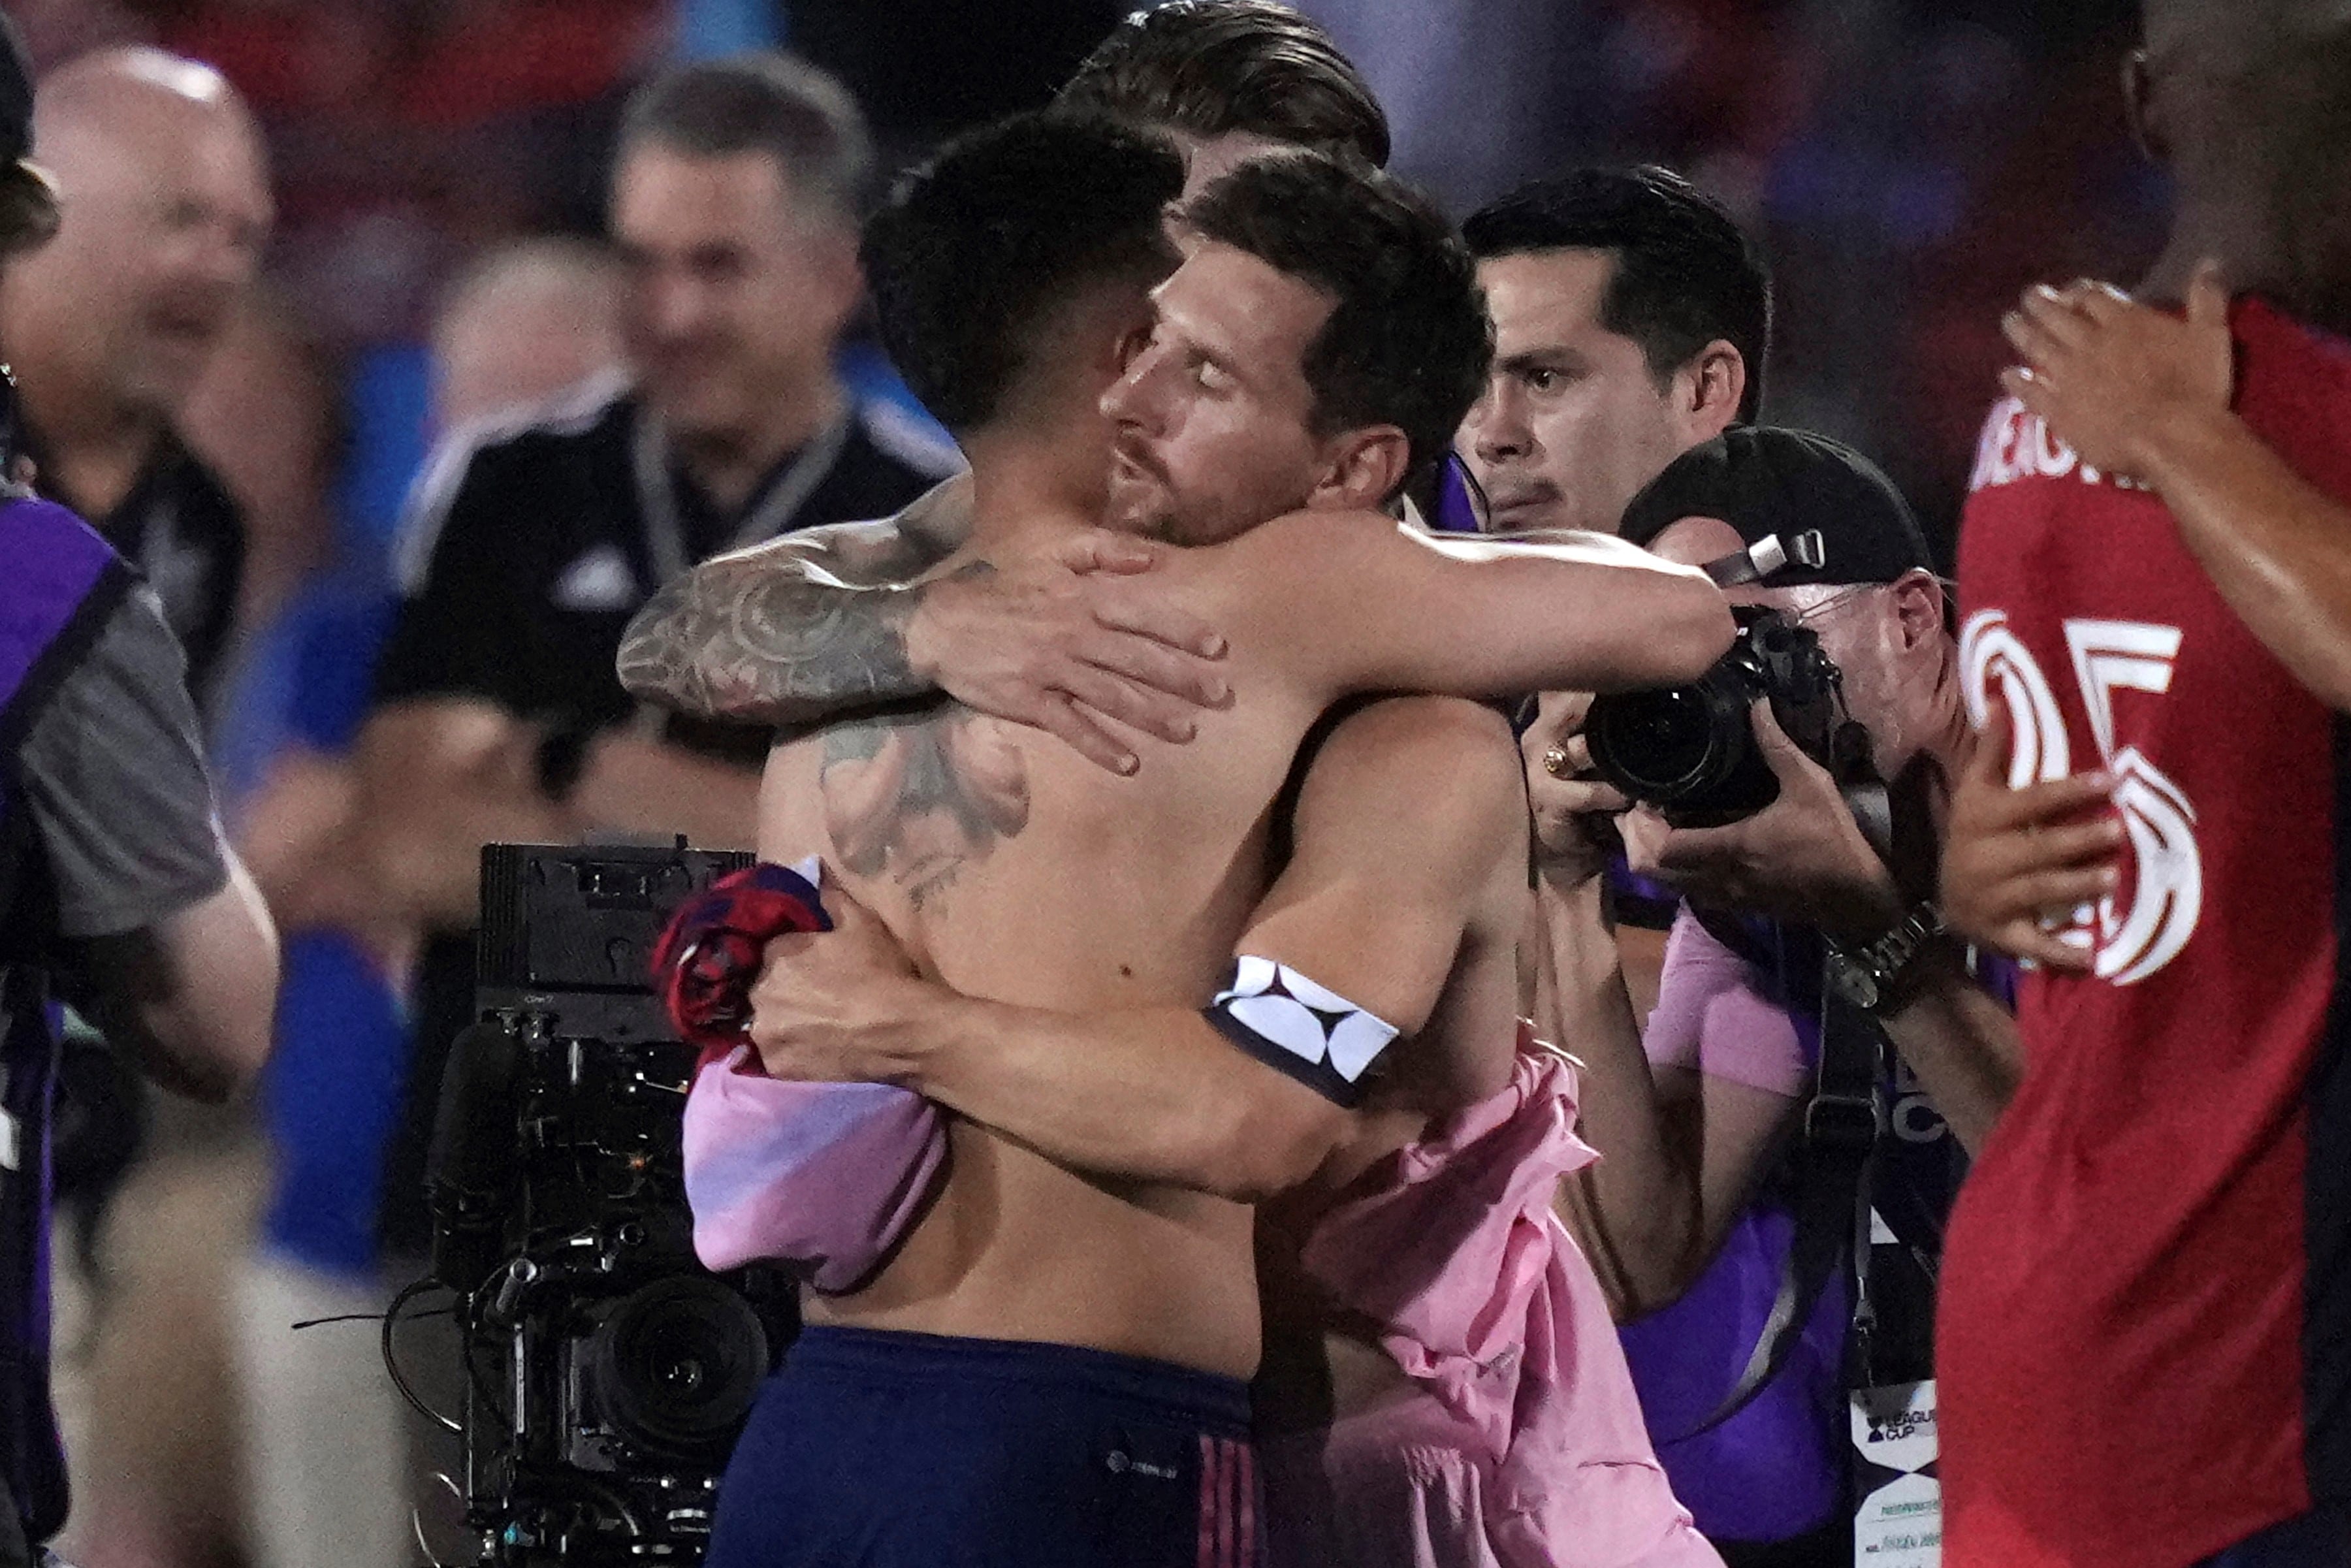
(1692, 751)
(608, 1374)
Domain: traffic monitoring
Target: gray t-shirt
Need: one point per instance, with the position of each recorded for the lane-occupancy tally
(112, 777)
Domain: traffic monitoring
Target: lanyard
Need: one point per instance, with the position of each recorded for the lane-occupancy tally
(657, 501)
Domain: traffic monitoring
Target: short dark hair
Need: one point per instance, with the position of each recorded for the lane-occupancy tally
(764, 101)
(1686, 273)
(975, 249)
(1407, 341)
(1210, 67)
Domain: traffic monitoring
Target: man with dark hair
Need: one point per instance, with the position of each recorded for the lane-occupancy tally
(2146, 1339)
(1404, 340)
(963, 326)
(1049, 1367)
(1631, 317)
(1074, 655)
(1228, 77)
(530, 540)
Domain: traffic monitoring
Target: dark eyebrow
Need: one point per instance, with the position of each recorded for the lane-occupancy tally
(1551, 359)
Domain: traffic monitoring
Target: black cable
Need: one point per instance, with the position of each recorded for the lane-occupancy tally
(297, 1326)
(408, 1293)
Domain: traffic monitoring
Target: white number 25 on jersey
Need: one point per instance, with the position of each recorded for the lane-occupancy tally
(2108, 656)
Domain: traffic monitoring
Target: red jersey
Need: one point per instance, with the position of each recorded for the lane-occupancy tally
(2146, 1322)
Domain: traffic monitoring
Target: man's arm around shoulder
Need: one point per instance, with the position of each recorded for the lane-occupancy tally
(1367, 604)
(832, 620)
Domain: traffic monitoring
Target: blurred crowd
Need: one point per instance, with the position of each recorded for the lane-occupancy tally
(404, 240)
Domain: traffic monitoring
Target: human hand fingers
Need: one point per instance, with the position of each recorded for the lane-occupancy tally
(1187, 677)
(2207, 297)
(1133, 611)
(1058, 715)
(1104, 551)
(2027, 940)
(1136, 706)
(2062, 314)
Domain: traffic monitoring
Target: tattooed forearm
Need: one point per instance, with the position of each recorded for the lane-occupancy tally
(775, 638)
(764, 645)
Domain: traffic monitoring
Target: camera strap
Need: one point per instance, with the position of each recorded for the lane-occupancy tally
(1831, 1204)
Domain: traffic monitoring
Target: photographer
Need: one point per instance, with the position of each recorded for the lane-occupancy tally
(116, 890)
(1692, 1203)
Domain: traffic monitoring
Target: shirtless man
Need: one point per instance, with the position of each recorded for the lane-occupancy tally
(773, 636)
(1051, 1367)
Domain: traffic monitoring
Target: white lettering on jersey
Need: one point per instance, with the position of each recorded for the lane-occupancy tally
(2160, 822)
(1990, 652)
(2017, 443)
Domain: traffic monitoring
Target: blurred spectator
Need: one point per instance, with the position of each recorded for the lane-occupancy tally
(166, 203)
(166, 207)
(326, 1451)
(157, 1403)
(262, 418)
(521, 324)
(734, 201)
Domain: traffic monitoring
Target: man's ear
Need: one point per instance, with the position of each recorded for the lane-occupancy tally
(1708, 391)
(1363, 469)
(840, 276)
(2138, 107)
(1919, 609)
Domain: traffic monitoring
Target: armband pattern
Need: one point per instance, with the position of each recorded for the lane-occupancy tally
(1296, 1027)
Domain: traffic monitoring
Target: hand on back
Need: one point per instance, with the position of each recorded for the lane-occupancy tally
(1078, 641)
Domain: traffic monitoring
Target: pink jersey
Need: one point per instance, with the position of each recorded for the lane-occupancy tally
(1522, 1444)
(826, 1175)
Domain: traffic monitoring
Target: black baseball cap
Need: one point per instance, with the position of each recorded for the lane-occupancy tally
(15, 95)
(1771, 481)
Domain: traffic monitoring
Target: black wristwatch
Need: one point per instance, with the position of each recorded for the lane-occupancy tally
(1875, 977)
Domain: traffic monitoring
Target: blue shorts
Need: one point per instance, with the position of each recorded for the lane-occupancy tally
(903, 1450)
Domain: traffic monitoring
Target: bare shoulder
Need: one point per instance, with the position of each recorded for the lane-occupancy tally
(1457, 739)
(1283, 574)
(1453, 757)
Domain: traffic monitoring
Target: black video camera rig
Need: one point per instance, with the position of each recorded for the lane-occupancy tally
(607, 1372)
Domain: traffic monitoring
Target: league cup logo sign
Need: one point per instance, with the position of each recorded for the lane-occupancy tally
(1900, 1523)
(2165, 891)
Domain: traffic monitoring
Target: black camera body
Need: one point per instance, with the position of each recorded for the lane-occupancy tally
(1692, 751)
(608, 1373)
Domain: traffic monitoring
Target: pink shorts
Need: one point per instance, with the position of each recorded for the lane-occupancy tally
(1401, 1486)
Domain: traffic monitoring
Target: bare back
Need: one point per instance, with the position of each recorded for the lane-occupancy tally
(1014, 871)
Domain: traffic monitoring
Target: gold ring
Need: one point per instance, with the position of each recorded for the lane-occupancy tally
(1555, 762)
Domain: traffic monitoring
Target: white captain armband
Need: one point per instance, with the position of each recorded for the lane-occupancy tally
(1294, 1026)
